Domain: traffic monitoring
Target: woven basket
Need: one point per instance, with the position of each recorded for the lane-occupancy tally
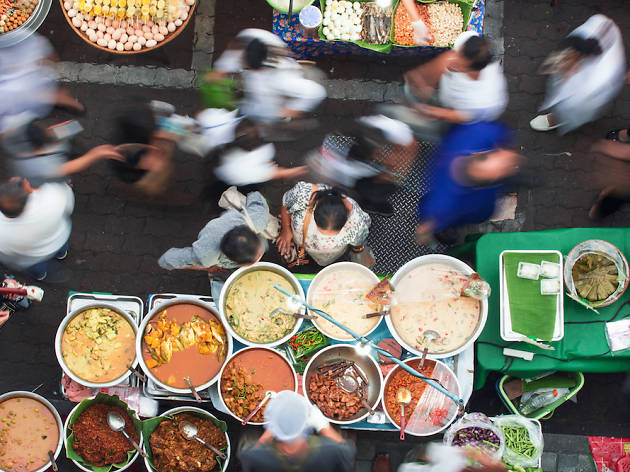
(167, 39)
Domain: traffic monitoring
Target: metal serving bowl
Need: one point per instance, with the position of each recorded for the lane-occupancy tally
(194, 410)
(253, 268)
(67, 433)
(232, 357)
(344, 352)
(47, 404)
(349, 266)
(448, 379)
(62, 361)
(28, 27)
(158, 309)
(455, 264)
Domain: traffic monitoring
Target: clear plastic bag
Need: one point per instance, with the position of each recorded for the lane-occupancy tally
(513, 457)
(475, 430)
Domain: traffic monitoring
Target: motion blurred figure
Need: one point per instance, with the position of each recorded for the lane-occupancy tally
(288, 442)
(471, 169)
(585, 75)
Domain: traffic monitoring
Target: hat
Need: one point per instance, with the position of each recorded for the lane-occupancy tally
(462, 38)
(287, 416)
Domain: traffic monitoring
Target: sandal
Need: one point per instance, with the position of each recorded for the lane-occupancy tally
(541, 123)
(614, 136)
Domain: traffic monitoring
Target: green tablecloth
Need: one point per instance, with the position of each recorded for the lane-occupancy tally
(584, 347)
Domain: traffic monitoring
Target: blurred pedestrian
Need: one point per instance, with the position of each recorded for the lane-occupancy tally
(585, 74)
(323, 223)
(232, 240)
(288, 443)
(613, 176)
(463, 85)
(10, 303)
(436, 457)
(35, 226)
(471, 169)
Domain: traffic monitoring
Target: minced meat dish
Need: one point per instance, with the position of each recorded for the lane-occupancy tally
(95, 441)
(173, 453)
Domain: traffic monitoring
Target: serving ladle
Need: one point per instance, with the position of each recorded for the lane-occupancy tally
(267, 396)
(189, 431)
(403, 397)
(193, 390)
(278, 311)
(51, 456)
(429, 337)
(349, 384)
(117, 423)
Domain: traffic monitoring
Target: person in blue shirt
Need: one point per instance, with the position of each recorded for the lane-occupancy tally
(469, 174)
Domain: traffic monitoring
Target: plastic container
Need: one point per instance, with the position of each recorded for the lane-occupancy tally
(546, 411)
(550, 286)
(527, 270)
(550, 269)
(540, 400)
(310, 19)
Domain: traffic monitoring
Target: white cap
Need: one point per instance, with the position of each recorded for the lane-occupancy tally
(462, 38)
(396, 132)
(287, 416)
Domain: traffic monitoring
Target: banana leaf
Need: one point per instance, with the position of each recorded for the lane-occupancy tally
(382, 48)
(148, 426)
(112, 400)
(465, 5)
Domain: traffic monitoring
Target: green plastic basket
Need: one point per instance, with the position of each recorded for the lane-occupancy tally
(545, 412)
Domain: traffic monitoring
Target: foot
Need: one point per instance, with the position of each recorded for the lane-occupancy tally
(544, 123)
(595, 213)
(620, 135)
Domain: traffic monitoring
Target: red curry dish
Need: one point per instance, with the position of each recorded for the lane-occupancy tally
(95, 441)
(333, 401)
(249, 375)
(173, 453)
(402, 378)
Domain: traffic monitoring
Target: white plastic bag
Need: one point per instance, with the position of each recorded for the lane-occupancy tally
(474, 429)
(510, 456)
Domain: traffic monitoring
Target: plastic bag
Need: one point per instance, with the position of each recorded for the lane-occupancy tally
(472, 430)
(510, 456)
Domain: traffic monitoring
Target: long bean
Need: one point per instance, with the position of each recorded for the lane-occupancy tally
(517, 439)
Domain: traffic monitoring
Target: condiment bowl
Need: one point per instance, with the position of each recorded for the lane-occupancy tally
(59, 336)
(431, 396)
(340, 266)
(197, 411)
(364, 361)
(158, 309)
(223, 406)
(67, 433)
(253, 268)
(450, 262)
(53, 410)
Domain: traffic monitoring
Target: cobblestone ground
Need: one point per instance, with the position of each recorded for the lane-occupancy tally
(117, 239)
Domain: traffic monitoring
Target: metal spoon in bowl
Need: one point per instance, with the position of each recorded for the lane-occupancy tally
(267, 396)
(117, 423)
(349, 384)
(189, 431)
(51, 456)
(193, 390)
(403, 397)
(429, 336)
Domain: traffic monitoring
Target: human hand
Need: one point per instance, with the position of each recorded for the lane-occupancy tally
(11, 283)
(421, 35)
(283, 241)
(424, 232)
(105, 151)
(317, 420)
(4, 316)
(487, 463)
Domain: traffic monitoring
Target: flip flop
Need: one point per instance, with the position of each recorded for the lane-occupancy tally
(541, 123)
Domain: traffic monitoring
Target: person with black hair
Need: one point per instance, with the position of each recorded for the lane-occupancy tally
(585, 74)
(35, 226)
(332, 222)
(227, 242)
(464, 85)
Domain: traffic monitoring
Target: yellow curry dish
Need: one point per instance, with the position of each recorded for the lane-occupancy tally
(250, 301)
(98, 345)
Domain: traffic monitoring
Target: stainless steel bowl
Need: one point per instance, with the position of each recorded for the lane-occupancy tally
(253, 268)
(143, 326)
(455, 264)
(62, 328)
(42, 400)
(273, 351)
(29, 27)
(344, 352)
(199, 411)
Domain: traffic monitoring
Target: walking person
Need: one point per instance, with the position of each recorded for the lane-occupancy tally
(35, 226)
(585, 74)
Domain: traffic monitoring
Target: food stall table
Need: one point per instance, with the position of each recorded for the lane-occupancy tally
(307, 48)
(584, 347)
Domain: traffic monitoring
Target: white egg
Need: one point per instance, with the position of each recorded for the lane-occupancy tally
(108, 22)
(151, 43)
(93, 38)
(124, 38)
(72, 13)
(130, 31)
(101, 42)
(138, 32)
(155, 29)
(110, 30)
(116, 24)
(326, 22)
(142, 40)
(178, 22)
(184, 16)
(163, 30)
(116, 35)
(341, 9)
(111, 44)
(190, 3)
(67, 5)
(147, 36)
(99, 34)
(92, 25)
(101, 27)
(137, 47)
(146, 28)
(120, 46)
(356, 5)
(89, 32)
(158, 37)
(128, 46)
(133, 38)
(75, 5)
(171, 27)
(84, 26)
(326, 30)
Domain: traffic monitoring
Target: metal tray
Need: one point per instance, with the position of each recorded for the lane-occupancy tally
(506, 320)
(132, 305)
(149, 388)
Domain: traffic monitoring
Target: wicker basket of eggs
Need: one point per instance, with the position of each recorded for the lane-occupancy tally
(128, 26)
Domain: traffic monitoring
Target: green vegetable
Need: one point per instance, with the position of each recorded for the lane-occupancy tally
(517, 439)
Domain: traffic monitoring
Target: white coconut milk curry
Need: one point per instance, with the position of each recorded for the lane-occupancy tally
(429, 298)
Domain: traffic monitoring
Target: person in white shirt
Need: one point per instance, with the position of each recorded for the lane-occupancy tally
(35, 225)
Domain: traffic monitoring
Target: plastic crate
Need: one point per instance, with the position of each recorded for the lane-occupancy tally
(546, 411)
